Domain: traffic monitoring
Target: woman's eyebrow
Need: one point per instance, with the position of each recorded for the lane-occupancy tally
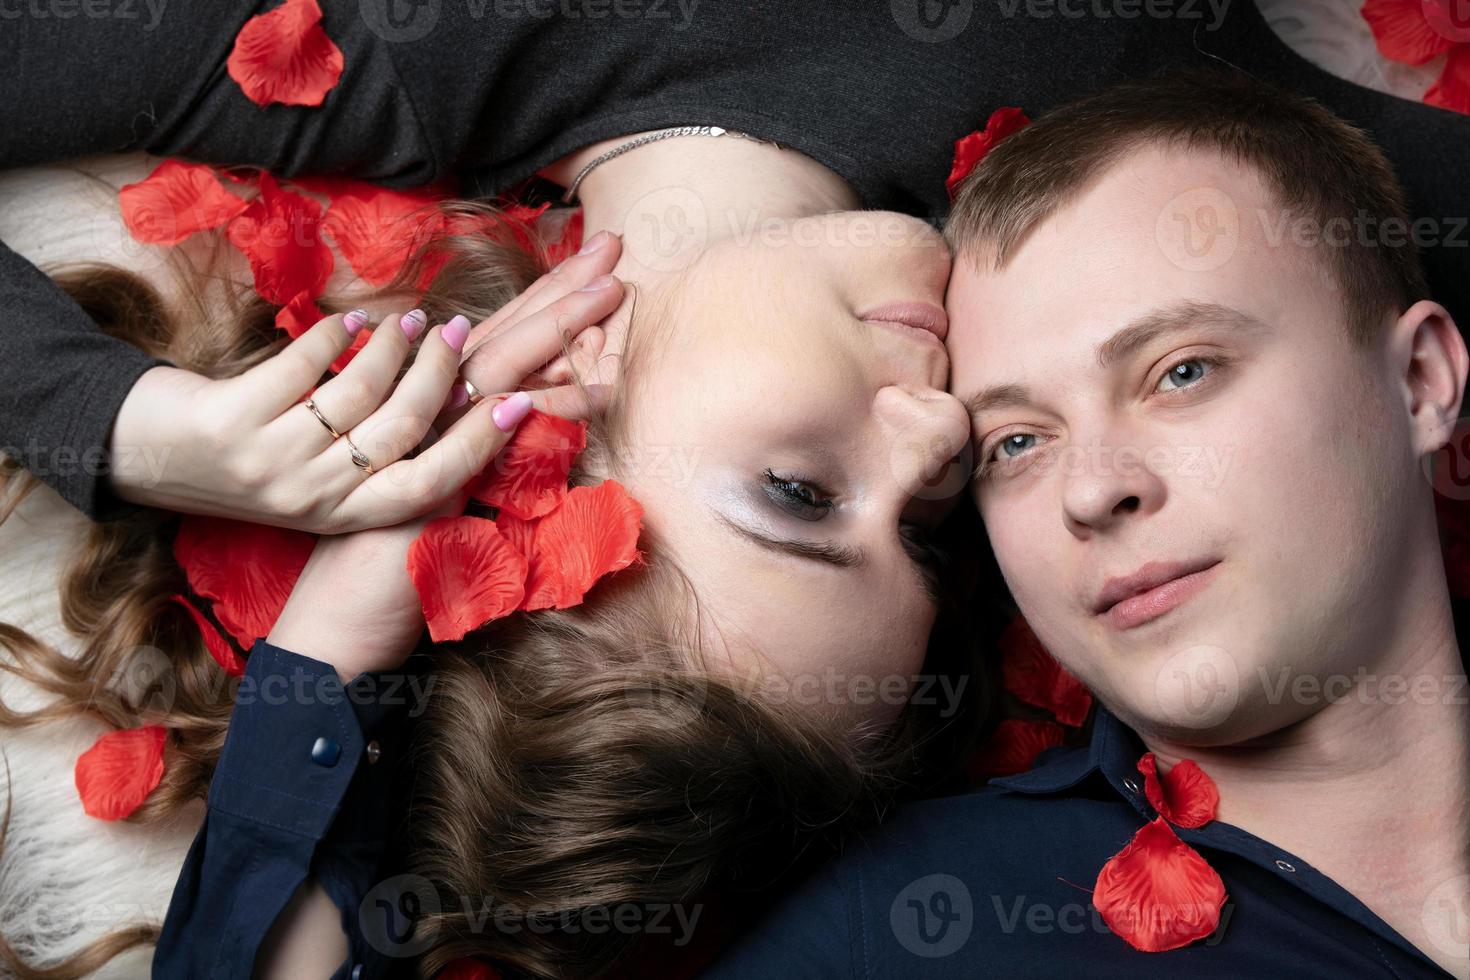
(826, 552)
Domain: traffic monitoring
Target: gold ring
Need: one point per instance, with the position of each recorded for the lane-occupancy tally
(322, 418)
(472, 393)
(359, 458)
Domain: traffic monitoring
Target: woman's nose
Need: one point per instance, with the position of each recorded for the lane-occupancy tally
(927, 440)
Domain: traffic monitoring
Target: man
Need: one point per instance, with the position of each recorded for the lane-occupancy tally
(1204, 386)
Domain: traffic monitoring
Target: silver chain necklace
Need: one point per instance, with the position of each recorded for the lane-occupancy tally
(653, 137)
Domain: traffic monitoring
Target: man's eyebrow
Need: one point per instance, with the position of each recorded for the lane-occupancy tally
(997, 396)
(842, 556)
(1167, 319)
(1128, 339)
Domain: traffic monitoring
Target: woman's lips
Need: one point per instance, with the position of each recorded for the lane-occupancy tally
(1148, 605)
(910, 316)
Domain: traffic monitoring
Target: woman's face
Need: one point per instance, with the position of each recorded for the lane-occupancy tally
(780, 432)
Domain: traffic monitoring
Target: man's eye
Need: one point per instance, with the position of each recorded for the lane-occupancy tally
(1186, 373)
(1014, 445)
(799, 497)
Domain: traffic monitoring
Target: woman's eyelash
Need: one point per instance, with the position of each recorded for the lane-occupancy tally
(800, 496)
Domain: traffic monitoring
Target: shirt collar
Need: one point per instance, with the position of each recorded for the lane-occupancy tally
(1114, 752)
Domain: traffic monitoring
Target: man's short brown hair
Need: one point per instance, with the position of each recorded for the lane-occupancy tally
(1316, 165)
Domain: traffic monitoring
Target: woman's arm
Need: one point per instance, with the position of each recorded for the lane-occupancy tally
(157, 78)
(299, 802)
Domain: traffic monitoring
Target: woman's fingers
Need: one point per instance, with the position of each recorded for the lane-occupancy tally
(598, 256)
(511, 354)
(350, 397)
(409, 487)
(277, 384)
(401, 423)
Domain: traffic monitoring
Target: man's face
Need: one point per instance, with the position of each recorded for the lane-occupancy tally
(1165, 395)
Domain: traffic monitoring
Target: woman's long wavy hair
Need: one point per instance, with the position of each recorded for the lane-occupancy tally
(566, 761)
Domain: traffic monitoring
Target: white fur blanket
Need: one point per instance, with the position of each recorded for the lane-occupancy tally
(66, 878)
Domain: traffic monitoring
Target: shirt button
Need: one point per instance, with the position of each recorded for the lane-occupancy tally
(357, 972)
(1131, 786)
(1285, 865)
(324, 752)
(373, 751)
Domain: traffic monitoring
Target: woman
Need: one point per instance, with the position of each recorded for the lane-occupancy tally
(824, 391)
(443, 103)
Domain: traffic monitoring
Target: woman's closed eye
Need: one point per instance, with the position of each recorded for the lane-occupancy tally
(799, 497)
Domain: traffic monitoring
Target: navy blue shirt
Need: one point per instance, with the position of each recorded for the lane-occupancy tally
(998, 882)
(304, 784)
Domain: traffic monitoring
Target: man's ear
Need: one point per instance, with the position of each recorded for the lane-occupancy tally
(1433, 372)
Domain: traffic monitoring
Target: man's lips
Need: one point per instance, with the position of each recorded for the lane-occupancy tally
(914, 314)
(1156, 588)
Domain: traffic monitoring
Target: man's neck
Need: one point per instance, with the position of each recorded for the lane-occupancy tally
(1373, 789)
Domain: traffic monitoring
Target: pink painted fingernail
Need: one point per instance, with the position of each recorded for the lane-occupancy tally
(456, 331)
(508, 414)
(354, 321)
(412, 322)
(458, 397)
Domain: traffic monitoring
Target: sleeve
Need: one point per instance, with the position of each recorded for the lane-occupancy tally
(303, 785)
(167, 91)
(63, 383)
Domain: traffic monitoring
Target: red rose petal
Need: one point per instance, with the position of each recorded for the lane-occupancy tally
(302, 313)
(1402, 32)
(468, 968)
(466, 573)
(1012, 748)
(592, 533)
(1186, 795)
(970, 150)
(176, 200)
(280, 233)
(284, 56)
(1452, 89)
(299, 315)
(1034, 676)
(219, 648)
(118, 772)
(246, 569)
(1158, 893)
(529, 476)
(377, 229)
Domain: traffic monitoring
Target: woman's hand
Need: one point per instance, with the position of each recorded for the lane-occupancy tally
(247, 448)
(354, 605)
